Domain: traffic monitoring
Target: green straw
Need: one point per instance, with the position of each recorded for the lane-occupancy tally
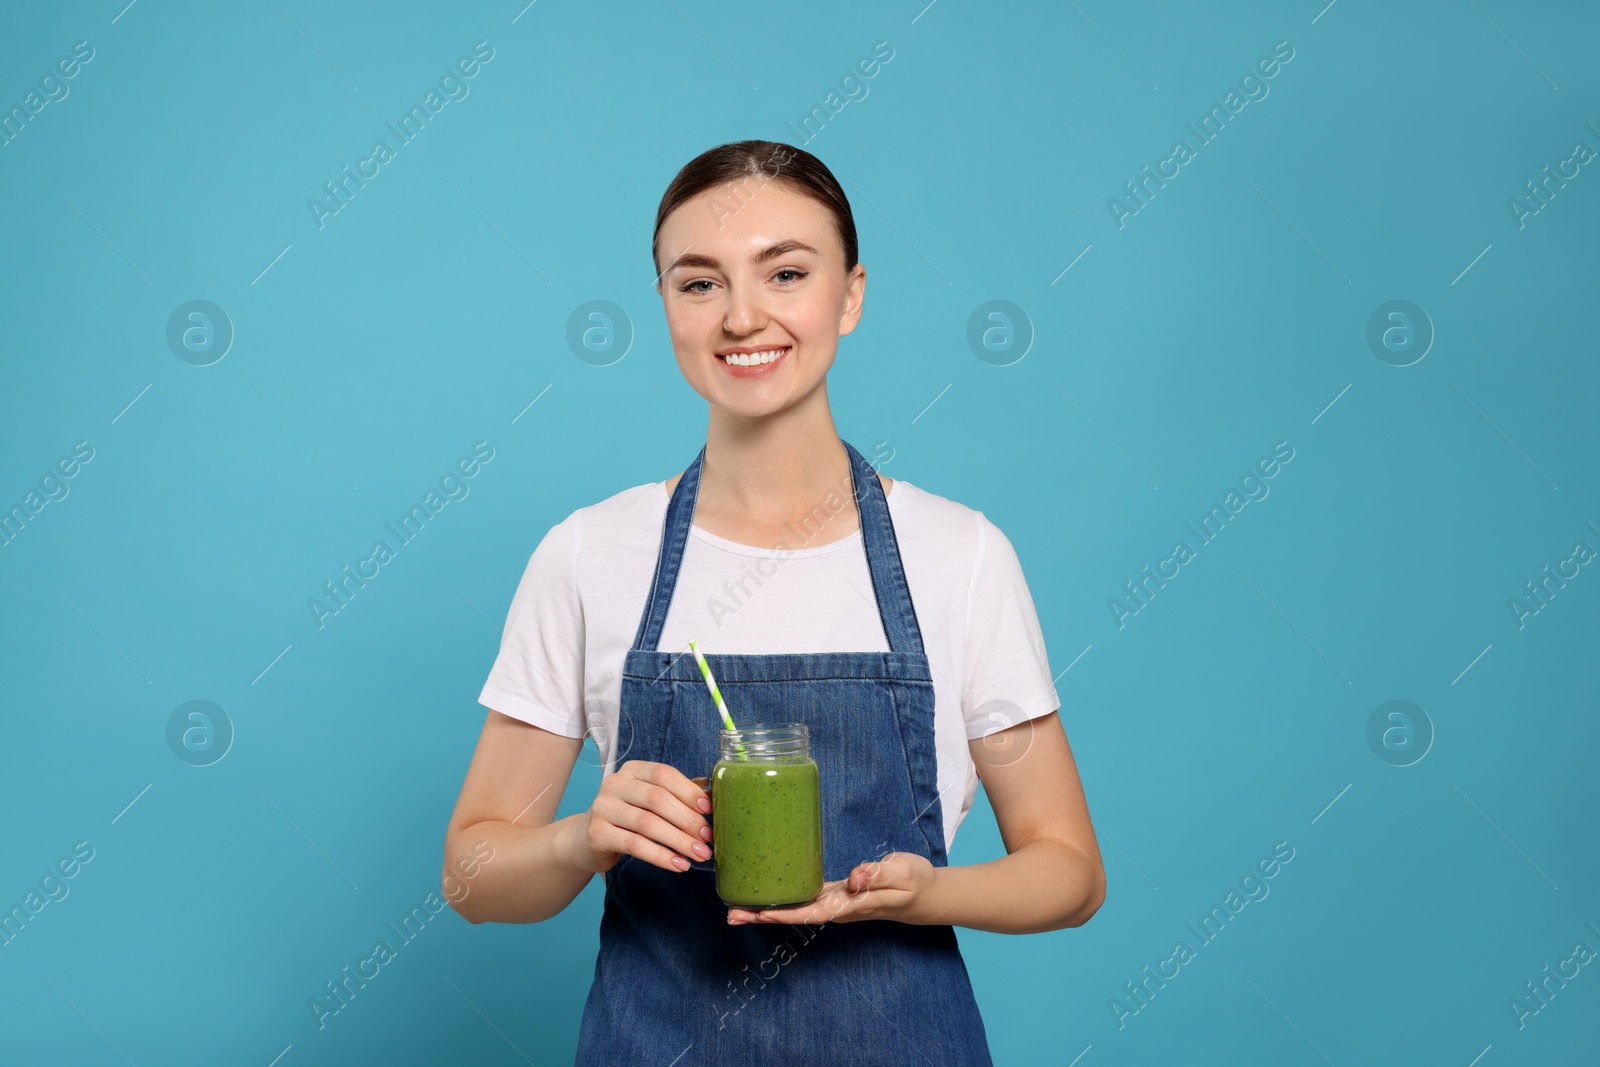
(716, 695)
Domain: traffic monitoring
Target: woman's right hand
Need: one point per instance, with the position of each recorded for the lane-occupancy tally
(651, 811)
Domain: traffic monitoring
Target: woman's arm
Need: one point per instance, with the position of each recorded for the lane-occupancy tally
(1050, 877)
(504, 859)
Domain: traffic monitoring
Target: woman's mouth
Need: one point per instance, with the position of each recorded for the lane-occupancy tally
(752, 363)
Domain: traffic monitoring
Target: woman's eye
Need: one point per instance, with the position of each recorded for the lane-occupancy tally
(690, 287)
(797, 274)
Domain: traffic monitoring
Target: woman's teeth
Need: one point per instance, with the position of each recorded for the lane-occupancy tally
(754, 359)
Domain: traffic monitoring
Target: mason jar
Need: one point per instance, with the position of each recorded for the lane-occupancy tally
(766, 800)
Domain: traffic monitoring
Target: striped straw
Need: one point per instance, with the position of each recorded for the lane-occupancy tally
(716, 694)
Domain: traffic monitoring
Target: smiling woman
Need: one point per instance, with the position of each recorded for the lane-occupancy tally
(890, 635)
(759, 300)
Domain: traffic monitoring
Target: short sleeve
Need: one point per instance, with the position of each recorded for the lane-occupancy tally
(538, 675)
(1007, 671)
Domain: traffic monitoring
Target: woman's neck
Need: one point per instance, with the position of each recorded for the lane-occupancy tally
(762, 474)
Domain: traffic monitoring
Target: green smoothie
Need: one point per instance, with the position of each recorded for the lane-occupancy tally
(767, 831)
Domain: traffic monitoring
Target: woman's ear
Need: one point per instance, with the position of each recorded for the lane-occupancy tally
(855, 291)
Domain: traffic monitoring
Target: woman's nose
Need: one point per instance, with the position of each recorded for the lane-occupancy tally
(745, 314)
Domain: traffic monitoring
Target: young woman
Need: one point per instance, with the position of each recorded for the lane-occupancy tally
(895, 623)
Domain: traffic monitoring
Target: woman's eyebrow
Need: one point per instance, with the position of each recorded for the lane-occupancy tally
(782, 248)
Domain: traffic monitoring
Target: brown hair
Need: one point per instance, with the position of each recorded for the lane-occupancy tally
(771, 161)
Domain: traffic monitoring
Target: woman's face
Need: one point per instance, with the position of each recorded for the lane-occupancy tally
(755, 267)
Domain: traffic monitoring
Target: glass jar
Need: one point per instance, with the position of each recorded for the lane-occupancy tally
(766, 801)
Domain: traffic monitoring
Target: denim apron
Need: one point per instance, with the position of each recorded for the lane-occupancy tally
(674, 984)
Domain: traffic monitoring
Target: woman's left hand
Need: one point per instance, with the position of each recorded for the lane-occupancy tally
(889, 888)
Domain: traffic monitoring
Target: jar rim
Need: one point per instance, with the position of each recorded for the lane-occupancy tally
(765, 740)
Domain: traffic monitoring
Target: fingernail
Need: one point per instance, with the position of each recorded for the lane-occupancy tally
(680, 863)
(703, 852)
(705, 833)
(703, 804)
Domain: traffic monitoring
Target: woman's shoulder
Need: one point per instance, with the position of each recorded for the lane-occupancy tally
(623, 512)
(947, 542)
(930, 509)
(617, 519)
(634, 498)
(938, 524)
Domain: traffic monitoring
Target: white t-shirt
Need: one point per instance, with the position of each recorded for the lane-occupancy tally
(577, 609)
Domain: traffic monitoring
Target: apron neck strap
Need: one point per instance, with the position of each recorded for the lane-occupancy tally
(889, 585)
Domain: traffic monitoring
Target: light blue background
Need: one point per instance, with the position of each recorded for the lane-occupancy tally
(1230, 313)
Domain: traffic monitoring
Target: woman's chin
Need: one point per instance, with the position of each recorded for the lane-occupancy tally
(766, 398)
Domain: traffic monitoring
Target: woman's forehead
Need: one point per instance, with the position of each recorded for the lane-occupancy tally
(748, 217)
